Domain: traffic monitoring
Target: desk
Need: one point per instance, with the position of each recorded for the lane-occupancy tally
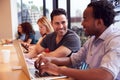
(6, 73)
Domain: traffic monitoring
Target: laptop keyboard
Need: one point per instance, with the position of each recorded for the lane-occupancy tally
(36, 73)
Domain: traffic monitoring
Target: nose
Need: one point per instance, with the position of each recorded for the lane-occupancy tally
(60, 25)
(82, 23)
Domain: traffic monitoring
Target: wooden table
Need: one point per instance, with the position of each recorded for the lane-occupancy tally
(6, 72)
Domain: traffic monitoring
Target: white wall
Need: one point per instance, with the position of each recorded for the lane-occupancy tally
(8, 18)
(14, 17)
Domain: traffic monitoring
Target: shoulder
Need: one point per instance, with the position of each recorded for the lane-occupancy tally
(31, 35)
(51, 34)
(71, 32)
(71, 35)
(113, 40)
(114, 35)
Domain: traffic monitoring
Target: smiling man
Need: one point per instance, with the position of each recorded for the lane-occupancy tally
(62, 42)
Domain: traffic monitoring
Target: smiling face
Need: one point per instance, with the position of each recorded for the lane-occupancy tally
(91, 25)
(60, 24)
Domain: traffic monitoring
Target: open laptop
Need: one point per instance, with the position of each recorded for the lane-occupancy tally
(28, 68)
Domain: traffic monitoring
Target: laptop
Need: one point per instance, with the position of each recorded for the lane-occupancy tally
(28, 65)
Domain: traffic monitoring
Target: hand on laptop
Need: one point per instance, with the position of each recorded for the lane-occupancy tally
(50, 68)
(43, 64)
(40, 61)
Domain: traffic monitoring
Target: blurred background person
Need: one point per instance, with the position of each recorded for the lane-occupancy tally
(26, 34)
(20, 35)
(45, 28)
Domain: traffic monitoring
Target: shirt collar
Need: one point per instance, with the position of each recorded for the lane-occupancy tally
(109, 31)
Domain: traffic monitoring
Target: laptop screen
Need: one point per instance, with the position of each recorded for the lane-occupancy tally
(21, 57)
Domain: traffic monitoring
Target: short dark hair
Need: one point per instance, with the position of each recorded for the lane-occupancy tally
(58, 11)
(103, 10)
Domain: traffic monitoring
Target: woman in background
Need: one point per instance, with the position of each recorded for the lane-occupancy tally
(20, 34)
(45, 28)
(26, 34)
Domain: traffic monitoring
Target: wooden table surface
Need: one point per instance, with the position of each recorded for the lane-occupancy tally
(6, 72)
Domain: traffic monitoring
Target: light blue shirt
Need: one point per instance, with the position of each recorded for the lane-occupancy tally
(22, 37)
(103, 52)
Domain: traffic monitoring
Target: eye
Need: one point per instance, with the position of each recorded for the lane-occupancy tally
(56, 23)
(63, 22)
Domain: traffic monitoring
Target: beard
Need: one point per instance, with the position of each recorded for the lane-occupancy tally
(61, 32)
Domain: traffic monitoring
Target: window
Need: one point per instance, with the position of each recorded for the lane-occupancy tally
(49, 6)
(32, 10)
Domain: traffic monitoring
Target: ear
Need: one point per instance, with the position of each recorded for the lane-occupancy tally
(100, 22)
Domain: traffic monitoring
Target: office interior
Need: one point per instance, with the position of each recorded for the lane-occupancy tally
(14, 12)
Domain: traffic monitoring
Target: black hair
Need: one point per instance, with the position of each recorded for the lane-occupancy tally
(58, 11)
(103, 10)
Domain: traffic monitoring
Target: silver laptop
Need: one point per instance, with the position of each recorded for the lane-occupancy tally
(28, 67)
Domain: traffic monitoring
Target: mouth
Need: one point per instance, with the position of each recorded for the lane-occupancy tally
(61, 29)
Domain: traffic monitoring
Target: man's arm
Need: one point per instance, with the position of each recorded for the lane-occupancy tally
(64, 61)
(90, 74)
(62, 51)
(33, 52)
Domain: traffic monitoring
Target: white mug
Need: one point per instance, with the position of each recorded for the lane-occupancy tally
(5, 55)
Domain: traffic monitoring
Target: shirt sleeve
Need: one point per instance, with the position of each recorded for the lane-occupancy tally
(45, 41)
(79, 56)
(72, 42)
(31, 36)
(111, 61)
